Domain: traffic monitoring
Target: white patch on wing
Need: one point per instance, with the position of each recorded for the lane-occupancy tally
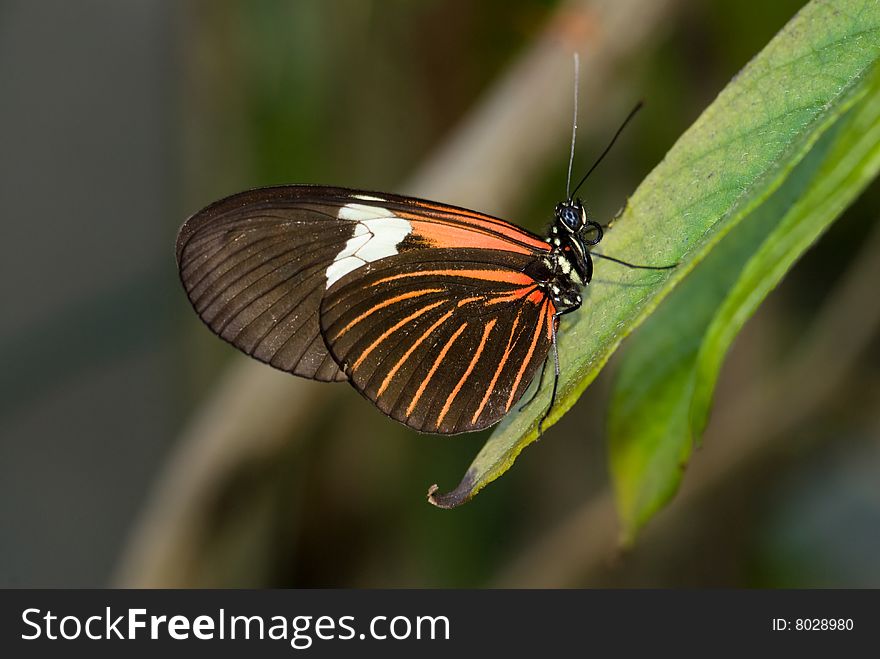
(367, 197)
(377, 235)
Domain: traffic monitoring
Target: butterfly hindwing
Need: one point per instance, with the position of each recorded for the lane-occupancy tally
(445, 340)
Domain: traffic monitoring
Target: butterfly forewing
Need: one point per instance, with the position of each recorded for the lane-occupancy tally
(254, 267)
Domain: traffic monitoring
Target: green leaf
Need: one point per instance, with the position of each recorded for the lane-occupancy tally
(738, 153)
(661, 399)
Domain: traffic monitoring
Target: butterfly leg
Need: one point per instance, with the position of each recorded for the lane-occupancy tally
(537, 389)
(555, 377)
(565, 300)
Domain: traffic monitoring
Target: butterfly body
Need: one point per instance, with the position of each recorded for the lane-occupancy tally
(439, 315)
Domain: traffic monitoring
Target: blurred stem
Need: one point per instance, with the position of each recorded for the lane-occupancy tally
(759, 424)
(520, 126)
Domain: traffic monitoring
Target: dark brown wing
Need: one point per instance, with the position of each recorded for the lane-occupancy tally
(445, 340)
(256, 265)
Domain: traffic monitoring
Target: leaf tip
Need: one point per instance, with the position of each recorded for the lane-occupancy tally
(463, 493)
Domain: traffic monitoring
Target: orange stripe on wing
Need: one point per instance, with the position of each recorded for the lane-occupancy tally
(500, 368)
(513, 296)
(439, 234)
(387, 303)
(410, 351)
(434, 368)
(467, 373)
(537, 297)
(502, 276)
(525, 362)
(392, 330)
(479, 221)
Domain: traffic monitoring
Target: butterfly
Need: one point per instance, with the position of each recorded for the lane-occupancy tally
(438, 315)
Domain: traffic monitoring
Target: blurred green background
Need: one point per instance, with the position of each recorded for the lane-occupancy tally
(118, 120)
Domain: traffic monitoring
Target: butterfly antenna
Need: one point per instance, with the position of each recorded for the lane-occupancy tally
(574, 123)
(634, 265)
(608, 148)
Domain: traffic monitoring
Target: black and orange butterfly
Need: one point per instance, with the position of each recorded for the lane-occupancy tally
(439, 315)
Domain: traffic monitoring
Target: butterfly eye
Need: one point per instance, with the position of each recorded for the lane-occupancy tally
(570, 217)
